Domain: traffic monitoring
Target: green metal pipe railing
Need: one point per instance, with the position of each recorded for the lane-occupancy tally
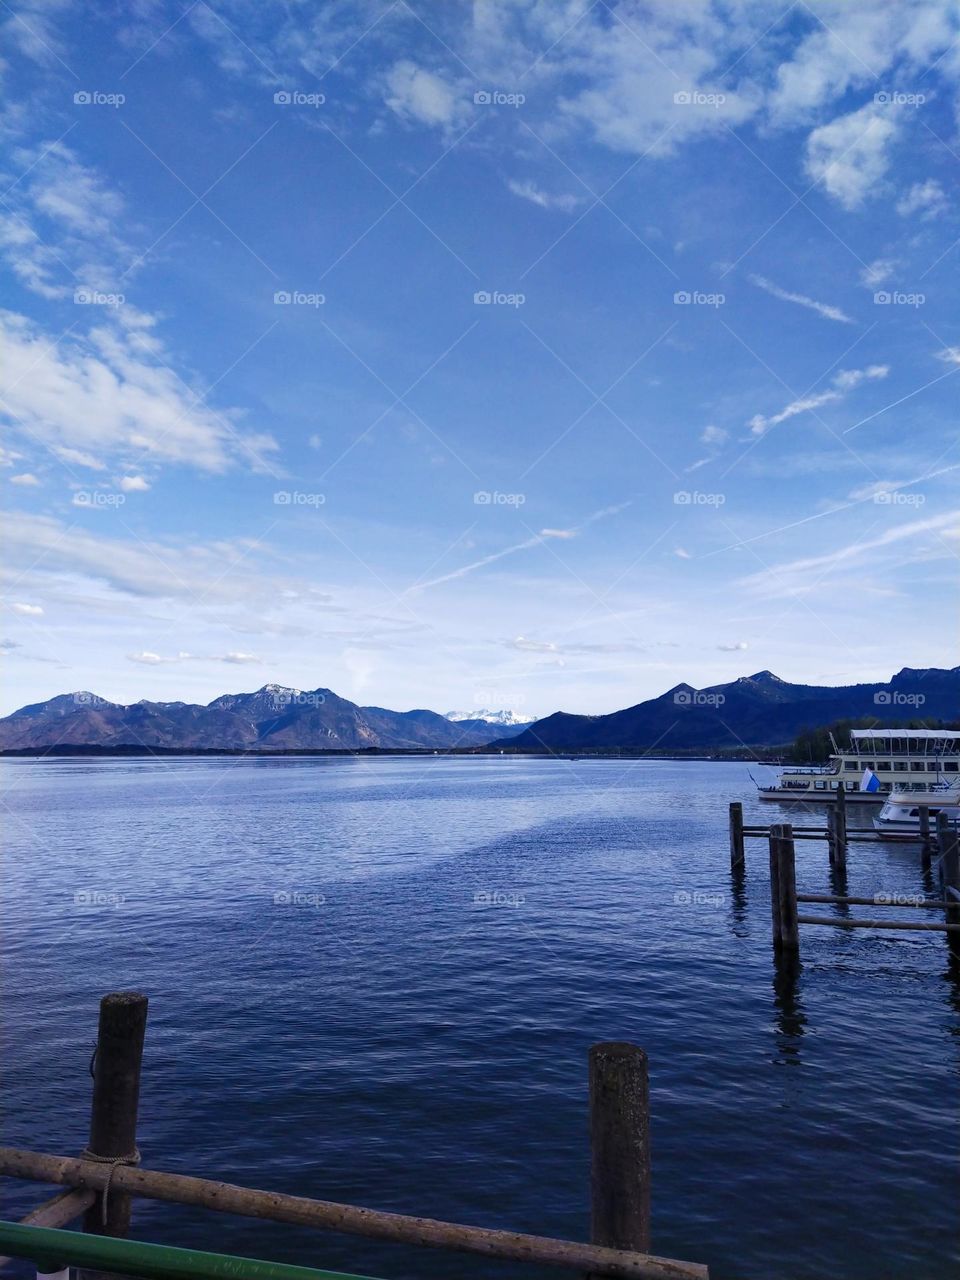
(52, 1250)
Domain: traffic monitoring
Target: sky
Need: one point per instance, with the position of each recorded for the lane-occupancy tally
(519, 355)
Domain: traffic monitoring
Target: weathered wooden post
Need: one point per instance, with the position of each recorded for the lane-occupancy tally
(840, 825)
(832, 836)
(783, 888)
(923, 812)
(736, 834)
(950, 875)
(116, 1095)
(774, 841)
(619, 1147)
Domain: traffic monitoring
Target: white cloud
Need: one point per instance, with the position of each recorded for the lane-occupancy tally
(28, 610)
(849, 156)
(682, 553)
(797, 577)
(841, 383)
(533, 646)
(737, 647)
(149, 659)
(949, 355)
(926, 199)
(530, 191)
(26, 478)
(75, 457)
(414, 93)
(536, 541)
(58, 227)
(103, 395)
(876, 272)
(134, 484)
(822, 308)
(713, 435)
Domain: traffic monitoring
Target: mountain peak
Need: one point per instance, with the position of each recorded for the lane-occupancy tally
(763, 677)
(501, 717)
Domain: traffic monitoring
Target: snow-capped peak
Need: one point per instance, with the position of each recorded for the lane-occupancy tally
(491, 717)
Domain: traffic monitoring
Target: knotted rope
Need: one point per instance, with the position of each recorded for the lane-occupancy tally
(113, 1162)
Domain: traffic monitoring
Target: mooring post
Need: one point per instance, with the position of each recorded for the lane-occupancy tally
(923, 812)
(840, 857)
(619, 1147)
(950, 873)
(116, 1094)
(783, 888)
(942, 827)
(774, 841)
(832, 836)
(736, 833)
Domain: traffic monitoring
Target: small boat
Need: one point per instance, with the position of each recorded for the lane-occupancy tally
(877, 763)
(900, 814)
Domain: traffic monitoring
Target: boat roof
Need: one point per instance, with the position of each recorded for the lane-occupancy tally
(952, 734)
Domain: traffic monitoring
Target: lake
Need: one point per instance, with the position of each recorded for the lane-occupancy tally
(333, 1012)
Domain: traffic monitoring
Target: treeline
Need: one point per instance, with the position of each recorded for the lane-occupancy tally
(813, 746)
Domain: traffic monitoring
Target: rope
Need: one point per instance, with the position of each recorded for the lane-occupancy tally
(113, 1162)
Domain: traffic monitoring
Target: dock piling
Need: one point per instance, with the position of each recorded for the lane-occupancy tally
(619, 1147)
(949, 842)
(116, 1096)
(736, 834)
(923, 813)
(840, 829)
(783, 888)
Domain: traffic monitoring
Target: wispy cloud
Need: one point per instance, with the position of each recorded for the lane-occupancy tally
(148, 659)
(876, 272)
(821, 308)
(926, 200)
(797, 577)
(538, 540)
(565, 201)
(841, 384)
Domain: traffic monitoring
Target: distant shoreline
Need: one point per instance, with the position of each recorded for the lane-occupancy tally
(66, 750)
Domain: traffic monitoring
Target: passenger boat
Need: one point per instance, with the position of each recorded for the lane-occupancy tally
(901, 809)
(876, 763)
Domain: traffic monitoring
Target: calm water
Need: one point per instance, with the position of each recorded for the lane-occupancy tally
(384, 1039)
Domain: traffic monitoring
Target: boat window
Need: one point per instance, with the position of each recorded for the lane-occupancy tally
(933, 766)
(900, 766)
(951, 766)
(916, 766)
(820, 786)
(914, 813)
(883, 764)
(852, 766)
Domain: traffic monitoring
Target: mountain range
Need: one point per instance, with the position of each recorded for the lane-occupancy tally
(272, 718)
(491, 717)
(755, 711)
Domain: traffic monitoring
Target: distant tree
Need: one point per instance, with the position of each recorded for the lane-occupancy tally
(813, 746)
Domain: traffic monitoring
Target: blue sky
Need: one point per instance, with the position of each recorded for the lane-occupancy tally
(518, 354)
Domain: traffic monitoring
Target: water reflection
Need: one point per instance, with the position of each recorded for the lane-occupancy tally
(840, 887)
(791, 1018)
(738, 894)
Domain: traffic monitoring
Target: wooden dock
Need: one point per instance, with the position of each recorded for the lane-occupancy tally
(103, 1180)
(836, 834)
